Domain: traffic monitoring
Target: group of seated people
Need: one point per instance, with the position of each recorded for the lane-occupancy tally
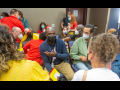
(39, 53)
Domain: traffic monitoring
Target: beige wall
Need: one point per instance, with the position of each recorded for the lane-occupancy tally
(37, 15)
(98, 16)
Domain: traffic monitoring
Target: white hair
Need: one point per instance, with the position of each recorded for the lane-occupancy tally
(14, 29)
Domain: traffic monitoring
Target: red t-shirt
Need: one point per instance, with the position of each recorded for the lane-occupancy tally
(33, 53)
(12, 21)
(39, 31)
(73, 26)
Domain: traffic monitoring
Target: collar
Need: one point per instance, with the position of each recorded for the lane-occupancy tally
(117, 57)
(13, 16)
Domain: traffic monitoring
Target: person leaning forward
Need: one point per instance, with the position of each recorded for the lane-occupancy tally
(55, 49)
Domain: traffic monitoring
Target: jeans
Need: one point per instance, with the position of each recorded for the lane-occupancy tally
(83, 66)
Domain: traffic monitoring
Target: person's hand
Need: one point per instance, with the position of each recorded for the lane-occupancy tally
(63, 39)
(83, 58)
(50, 54)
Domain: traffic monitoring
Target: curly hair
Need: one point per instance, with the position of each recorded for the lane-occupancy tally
(105, 46)
(7, 52)
(112, 30)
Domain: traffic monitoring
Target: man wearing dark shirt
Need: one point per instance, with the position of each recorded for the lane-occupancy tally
(66, 20)
(54, 54)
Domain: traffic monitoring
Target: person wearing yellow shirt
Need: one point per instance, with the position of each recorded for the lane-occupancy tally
(13, 66)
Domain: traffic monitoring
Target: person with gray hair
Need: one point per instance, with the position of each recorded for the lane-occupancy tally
(78, 32)
(16, 33)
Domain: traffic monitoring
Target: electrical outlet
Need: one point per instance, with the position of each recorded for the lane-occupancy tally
(53, 25)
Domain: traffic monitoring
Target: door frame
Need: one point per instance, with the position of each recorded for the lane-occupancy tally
(85, 17)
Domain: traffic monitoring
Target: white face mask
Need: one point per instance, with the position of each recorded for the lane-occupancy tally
(20, 36)
(85, 36)
(76, 32)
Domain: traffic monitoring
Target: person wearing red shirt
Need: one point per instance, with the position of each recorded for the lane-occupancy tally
(33, 53)
(73, 24)
(13, 21)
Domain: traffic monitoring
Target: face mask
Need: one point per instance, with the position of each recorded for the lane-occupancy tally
(65, 32)
(18, 17)
(20, 36)
(69, 19)
(68, 15)
(76, 32)
(85, 36)
(51, 39)
(1, 17)
(42, 26)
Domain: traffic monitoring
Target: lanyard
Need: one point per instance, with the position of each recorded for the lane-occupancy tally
(54, 58)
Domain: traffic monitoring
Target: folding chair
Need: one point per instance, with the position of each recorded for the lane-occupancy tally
(57, 36)
(71, 60)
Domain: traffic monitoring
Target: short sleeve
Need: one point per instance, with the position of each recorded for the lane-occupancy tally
(38, 74)
(63, 20)
(78, 75)
(75, 25)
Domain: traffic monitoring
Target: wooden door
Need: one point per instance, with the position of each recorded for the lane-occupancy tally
(82, 13)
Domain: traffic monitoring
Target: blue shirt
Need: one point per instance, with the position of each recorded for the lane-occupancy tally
(115, 66)
(61, 53)
(25, 23)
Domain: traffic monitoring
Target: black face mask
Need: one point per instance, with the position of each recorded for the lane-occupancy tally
(52, 39)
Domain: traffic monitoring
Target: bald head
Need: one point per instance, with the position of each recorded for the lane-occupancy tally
(50, 31)
(16, 31)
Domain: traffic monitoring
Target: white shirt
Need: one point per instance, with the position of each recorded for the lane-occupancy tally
(96, 74)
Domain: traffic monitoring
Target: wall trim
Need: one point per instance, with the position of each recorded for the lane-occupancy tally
(107, 22)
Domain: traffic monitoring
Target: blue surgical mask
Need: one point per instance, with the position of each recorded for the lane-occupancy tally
(2, 17)
(18, 17)
(69, 19)
(42, 26)
(68, 15)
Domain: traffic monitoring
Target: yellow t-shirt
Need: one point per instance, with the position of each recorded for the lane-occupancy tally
(24, 70)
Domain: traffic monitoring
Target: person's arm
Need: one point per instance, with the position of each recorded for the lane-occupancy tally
(45, 58)
(26, 47)
(21, 26)
(64, 54)
(62, 22)
(74, 51)
(66, 39)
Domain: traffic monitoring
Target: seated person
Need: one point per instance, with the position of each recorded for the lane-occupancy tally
(54, 54)
(115, 65)
(4, 14)
(16, 33)
(79, 49)
(23, 20)
(33, 46)
(101, 52)
(65, 36)
(42, 27)
(72, 25)
(78, 32)
(29, 35)
(13, 66)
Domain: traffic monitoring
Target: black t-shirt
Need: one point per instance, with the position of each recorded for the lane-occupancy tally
(65, 21)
